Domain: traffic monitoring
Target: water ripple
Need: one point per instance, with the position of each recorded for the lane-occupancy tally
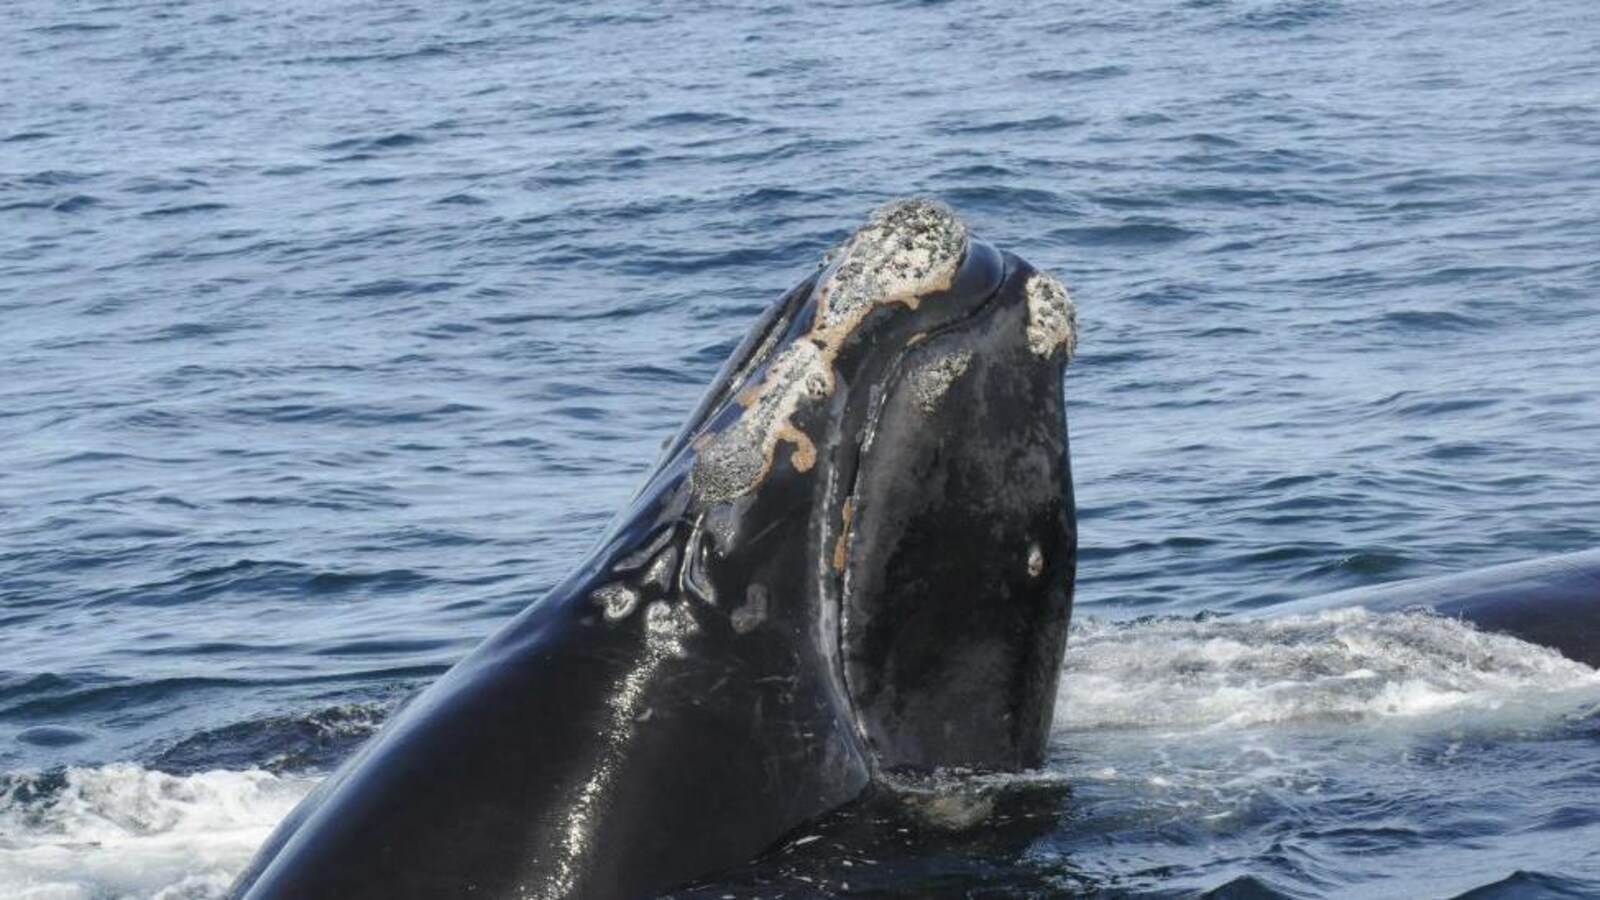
(333, 337)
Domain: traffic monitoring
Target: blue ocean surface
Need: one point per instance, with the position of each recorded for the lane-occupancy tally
(333, 333)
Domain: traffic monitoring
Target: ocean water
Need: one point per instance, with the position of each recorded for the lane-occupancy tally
(331, 335)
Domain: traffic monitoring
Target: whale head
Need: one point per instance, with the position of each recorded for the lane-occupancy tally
(894, 429)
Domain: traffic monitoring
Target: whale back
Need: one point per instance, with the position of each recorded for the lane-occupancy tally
(1553, 601)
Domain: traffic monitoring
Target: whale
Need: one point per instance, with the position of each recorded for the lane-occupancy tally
(1552, 601)
(854, 561)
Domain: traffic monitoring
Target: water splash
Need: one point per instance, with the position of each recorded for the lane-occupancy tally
(124, 831)
(1207, 673)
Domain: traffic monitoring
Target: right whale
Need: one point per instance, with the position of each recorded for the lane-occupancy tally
(856, 559)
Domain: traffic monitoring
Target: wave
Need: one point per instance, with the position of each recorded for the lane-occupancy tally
(1210, 673)
(124, 831)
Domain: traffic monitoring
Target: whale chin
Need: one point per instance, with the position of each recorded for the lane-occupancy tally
(856, 558)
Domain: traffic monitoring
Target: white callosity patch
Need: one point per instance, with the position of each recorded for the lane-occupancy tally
(1343, 666)
(1052, 316)
(931, 380)
(124, 831)
(616, 601)
(905, 251)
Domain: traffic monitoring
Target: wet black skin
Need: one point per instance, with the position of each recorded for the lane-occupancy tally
(916, 854)
(526, 771)
(1553, 601)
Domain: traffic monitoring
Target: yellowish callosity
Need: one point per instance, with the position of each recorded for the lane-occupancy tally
(905, 251)
(841, 547)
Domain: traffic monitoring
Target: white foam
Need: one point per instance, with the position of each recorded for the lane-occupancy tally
(122, 831)
(1238, 690)
(1341, 666)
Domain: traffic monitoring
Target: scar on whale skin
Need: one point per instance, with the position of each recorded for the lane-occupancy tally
(905, 251)
(841, 547)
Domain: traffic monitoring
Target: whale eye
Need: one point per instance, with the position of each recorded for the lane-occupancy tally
(693, 577)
